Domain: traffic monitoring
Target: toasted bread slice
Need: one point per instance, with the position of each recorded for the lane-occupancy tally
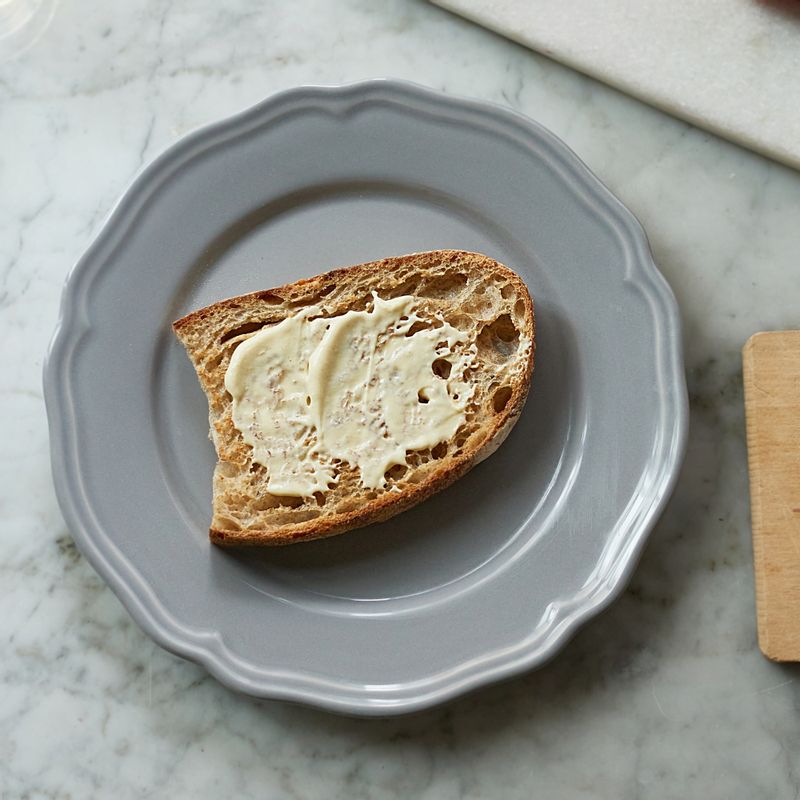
(473, 293)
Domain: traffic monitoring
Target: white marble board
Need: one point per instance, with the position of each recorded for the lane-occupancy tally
(729, 66)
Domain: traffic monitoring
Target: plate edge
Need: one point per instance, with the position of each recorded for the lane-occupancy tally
(206, 651)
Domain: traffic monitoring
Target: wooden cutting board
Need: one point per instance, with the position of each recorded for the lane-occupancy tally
(772, 406)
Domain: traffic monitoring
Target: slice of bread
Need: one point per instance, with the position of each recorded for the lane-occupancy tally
(471, 292)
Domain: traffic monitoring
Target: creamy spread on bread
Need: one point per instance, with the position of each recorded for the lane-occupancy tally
(314, 391)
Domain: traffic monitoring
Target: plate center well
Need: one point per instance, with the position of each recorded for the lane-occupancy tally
(450, 536)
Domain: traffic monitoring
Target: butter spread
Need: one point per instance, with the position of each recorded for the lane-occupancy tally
(314, 391)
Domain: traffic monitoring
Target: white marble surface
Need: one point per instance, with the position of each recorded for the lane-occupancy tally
(665, 695)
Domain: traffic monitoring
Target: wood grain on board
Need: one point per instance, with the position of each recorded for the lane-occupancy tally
(772, 405)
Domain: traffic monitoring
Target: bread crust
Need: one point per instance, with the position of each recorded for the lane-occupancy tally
(210, 334)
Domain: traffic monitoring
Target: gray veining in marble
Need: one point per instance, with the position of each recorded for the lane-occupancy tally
(665, 695)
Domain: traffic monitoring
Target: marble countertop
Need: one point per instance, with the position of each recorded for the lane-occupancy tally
(665, 695)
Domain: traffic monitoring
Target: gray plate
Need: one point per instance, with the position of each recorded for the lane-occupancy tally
(488, 578)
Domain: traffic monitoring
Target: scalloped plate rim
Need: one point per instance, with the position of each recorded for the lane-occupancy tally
(207, 647)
